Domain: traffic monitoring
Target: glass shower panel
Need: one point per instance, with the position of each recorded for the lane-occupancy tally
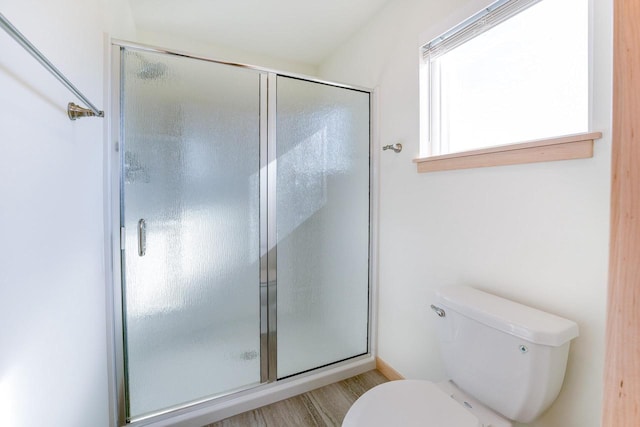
(190, 197)
(322, 224)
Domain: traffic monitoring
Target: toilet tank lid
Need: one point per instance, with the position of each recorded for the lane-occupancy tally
(535, 326)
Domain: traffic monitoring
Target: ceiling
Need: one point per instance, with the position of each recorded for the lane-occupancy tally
(304, 31)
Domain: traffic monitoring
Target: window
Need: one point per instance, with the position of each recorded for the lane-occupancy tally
(517, 71)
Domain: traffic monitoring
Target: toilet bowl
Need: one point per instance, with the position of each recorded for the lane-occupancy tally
(418, 403)
(505, 362)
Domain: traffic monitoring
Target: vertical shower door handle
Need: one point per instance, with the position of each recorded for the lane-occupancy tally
(142, 237)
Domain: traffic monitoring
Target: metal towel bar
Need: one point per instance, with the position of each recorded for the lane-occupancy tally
(73, 111)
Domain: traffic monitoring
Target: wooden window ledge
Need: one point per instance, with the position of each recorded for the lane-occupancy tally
(578, 146)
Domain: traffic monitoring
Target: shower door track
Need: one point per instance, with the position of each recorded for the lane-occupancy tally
(223, 403)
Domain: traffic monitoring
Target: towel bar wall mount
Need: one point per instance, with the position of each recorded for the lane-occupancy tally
(73, 111)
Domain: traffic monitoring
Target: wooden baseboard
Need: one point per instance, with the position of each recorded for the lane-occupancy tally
(386, 370)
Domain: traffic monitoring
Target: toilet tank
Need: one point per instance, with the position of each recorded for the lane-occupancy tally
(510, 357)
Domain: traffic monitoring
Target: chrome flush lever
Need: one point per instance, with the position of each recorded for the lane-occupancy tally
(142, 237)
(440, 312)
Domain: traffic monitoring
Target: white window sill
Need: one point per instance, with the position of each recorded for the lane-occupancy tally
(578, 146)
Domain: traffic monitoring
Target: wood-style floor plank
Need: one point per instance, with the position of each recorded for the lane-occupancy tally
(323, 407)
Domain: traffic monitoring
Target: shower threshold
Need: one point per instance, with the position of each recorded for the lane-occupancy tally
(220, 408)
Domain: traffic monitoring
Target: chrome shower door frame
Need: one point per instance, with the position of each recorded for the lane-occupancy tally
(272, 238)
(114, 243)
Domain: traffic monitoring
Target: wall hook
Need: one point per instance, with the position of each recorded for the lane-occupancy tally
(397, 147)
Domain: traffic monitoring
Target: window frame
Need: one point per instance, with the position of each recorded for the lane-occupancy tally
(433, 147)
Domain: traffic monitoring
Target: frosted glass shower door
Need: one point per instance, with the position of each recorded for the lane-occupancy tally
(322, 193)
(190, 208)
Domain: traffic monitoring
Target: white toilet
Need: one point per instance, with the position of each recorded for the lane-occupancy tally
(506, 362)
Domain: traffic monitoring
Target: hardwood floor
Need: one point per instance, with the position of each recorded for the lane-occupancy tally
(325, 406)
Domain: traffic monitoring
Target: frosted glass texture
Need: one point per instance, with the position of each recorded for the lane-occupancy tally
(190, 164)
(527, 78)
(322, 224)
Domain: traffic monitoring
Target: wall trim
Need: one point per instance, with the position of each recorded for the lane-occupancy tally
(622, 370)
(386, 370)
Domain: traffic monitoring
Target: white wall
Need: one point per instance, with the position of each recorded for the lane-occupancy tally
(222, 53)
(535, 233)
(53, 359)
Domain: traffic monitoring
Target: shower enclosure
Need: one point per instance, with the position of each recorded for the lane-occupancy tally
(244, 239)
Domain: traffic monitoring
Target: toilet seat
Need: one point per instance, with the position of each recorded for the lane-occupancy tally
(408, 403)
